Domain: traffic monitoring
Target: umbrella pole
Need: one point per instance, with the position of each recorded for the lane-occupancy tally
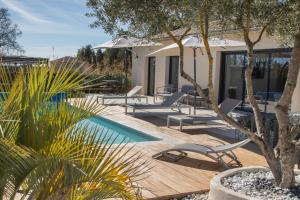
(126, 75)
(195, 98)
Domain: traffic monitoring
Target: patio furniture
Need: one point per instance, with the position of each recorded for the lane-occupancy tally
(132, 94)
(193, 95)
(214, 152)
(164, 91)
(226, 106)
(171, 103)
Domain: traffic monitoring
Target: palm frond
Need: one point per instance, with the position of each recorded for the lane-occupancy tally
(47, 153)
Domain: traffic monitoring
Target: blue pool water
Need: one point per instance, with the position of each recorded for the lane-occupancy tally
(117, 133)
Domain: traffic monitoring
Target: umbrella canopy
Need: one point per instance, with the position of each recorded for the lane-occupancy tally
(194, 42)
(126, 42)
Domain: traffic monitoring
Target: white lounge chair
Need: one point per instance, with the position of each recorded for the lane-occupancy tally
(132, 94)
(226, 106)
(214, 152)
(170, 102)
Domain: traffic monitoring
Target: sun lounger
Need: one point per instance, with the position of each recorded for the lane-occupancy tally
(226, 106)
(170, 102)
(132, 94)
(164, 92)
(214, 152)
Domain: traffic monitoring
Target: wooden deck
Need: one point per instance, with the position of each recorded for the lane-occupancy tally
(169, 179)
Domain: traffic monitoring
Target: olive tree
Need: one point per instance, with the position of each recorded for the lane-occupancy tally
(265, 17)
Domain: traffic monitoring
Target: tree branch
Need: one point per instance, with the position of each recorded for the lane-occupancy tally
(260, 35)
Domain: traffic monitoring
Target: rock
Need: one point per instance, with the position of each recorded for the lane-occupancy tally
(260, 184)
(196, 197)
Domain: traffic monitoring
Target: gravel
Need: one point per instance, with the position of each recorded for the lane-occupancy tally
(260, 184)
(195, 197)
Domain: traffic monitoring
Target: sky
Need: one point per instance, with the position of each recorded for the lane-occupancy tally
(58, 26)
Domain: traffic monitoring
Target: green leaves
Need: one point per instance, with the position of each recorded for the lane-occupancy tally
(46, 154)
(140, 18)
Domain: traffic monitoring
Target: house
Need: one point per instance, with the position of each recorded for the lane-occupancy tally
(21, 61)
(269, 75)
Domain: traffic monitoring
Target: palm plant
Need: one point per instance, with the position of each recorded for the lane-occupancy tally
(45, 153)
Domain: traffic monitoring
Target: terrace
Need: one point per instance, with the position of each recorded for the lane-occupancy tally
(193, 172)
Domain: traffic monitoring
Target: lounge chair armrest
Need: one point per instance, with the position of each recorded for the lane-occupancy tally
(222, 143)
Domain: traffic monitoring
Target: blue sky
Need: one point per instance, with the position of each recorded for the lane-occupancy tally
(58, 24)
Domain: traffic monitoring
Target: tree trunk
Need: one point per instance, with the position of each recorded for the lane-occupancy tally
(287, 159)
(286, 146)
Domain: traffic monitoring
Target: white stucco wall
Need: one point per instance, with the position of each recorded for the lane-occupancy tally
(140, 64)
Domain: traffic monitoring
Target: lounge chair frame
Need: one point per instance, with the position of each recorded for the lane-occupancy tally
(171, 102)
(132, 94)
(215, 153)
(232, 104)
(177, 107)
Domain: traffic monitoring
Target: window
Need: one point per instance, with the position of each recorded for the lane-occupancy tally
(269, 76)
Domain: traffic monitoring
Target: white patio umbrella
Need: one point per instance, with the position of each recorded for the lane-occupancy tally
(195, 42)
(126, 42)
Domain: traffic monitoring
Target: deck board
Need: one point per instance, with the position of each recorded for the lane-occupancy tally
(168, 179)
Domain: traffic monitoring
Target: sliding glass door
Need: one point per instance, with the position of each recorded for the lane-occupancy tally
(269, 76)
(278, 74)
(174, 71)
(151, 76)
(260, 75)
(234, 80)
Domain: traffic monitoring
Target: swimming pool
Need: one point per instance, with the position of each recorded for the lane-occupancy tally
(117, 133)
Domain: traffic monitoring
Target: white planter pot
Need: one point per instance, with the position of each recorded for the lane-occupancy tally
(219, 192)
